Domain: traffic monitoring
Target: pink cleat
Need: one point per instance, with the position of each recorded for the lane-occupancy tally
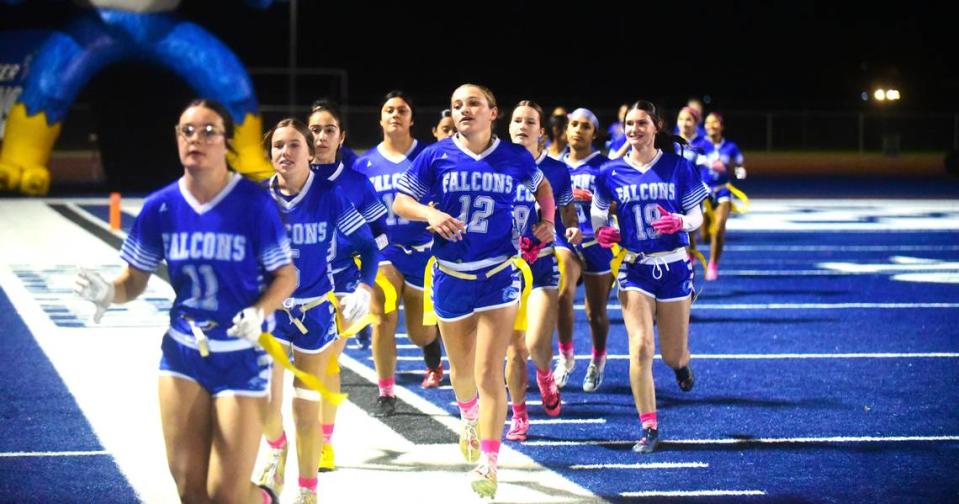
(549, 392)
(712, 271)
(518, 428)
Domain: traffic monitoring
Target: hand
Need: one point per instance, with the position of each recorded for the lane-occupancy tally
(529, 251)
(446, 226)
(668, 223)
(356, 304)
(92, 287)
(740, 172)
(545, 231)
(248, 324)
(718, 166)
(582, 195)
(607, 236)
(574, 235)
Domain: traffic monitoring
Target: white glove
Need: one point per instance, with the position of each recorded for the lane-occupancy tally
(92, 287)
(355, 305)
(740, 172)
(248, 324)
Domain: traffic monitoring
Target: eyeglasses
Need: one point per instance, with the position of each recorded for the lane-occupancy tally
(206, 132)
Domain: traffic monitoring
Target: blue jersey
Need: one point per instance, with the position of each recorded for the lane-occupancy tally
(358, 190)
(313, 216)
(583, 176)
(480, 190)
(526, 211)
(726, 152)
(669, 180)
(384, 173)
(217, 253)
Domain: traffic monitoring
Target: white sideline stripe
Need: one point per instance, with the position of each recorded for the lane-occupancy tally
(653, 465)
(872, 355)
(563, 421)
(801, 306)
(692, 493)
(839, 248)
(528, 403)
(96, 221)
(928, 355)
(733, 441)
(54, 454)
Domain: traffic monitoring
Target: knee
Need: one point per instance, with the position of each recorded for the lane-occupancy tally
(190, 488)
(645, 351)
(228, 492)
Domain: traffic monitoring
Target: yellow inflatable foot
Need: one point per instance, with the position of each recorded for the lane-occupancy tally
(35, 181)
(9, 176)
(249, 158)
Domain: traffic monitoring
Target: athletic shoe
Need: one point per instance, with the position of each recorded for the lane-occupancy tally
(549, 393)
(469, 441)
(685, 378)
(327, 458)
(564, 368)
(433, 377)
(594, 377)
(273, 498)
(483, 480)
(306, 496)
(712, 271)
(272, 475)
(648, 442)
(518, 428)
(385, 406)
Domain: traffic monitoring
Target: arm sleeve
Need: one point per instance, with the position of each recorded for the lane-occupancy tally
(272, 244)
(357, 233)
(416, 182)
(143, 248)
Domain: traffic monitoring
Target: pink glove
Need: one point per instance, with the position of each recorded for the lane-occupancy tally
(607, 236)
(718, 166)
(668, 223)
(582, 195)
(529, 251)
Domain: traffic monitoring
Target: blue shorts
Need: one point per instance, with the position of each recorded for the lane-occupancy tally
(545, 272)
(409, 262)
(663, 281)
(320, 323)
(456, 298)
(243, 372)
(346, 281)
(595, 258)
(719, 194)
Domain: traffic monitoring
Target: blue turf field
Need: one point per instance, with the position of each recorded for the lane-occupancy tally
(813, 383)
(826, 365)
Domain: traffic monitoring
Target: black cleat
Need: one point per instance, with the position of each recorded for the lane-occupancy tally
(648, 442)
(685, 378)
(385, 406)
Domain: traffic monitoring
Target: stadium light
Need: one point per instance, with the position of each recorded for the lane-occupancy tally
(879, 95)
(892, 94)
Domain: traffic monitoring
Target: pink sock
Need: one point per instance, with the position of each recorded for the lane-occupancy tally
(599, 355)
(542, 375)
(266, 497)
(327, 432)
(469, 409)
(649, 420)
(566, 349)
(490, 448)
(309, 483)
(279, 442)
(386, 387)
(519, 410)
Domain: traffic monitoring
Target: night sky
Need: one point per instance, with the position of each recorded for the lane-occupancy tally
(744, 55)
